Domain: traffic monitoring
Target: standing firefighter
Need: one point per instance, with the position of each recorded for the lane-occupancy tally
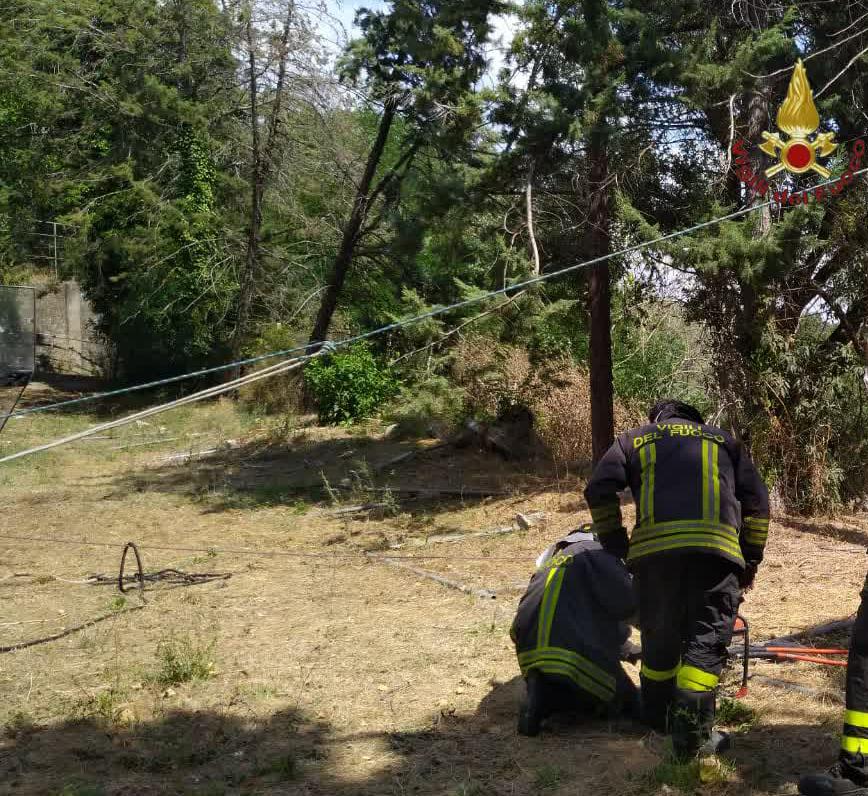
(702, 521)
(569, 632)
(850, 774)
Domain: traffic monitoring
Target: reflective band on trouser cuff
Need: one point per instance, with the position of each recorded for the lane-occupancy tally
(856, 718)
(693, 679)
(571, 673)
(854, 745)
(648, 461)
(756, 523)
(585, 674)
(710, 480)
(657, 675)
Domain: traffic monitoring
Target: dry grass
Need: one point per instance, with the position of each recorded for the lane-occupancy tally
(494, 374)
(333, 676)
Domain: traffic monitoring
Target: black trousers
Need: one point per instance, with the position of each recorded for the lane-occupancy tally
(687, 608)
(854, 741)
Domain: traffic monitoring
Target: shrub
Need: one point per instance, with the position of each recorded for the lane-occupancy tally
(495, 376)
(433, 406)
(349, 385)
(182, 660)
(278, 394)
(809, 438)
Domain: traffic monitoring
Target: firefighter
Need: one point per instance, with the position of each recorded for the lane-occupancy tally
(570, 630)
(850, 774)
(702, 517)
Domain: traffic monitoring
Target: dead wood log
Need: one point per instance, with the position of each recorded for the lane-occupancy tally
(485, 594)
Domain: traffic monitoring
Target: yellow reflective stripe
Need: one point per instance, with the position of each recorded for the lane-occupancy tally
(547, 608)
(606, 511)
(697, 539)
(856, 718)
(648, 462)
(705, 509)
(854, 745)
(675, 524)
(544, 606)
(693, 679)
(657, 675)
(754, 538)
(606, 518)
(710, 480)
(634, 554)
(581, 680)
(756, 523)
(568, 656)
(715, 480)
(656, 534)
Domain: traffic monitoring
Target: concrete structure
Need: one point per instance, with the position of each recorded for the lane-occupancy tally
(66, 336)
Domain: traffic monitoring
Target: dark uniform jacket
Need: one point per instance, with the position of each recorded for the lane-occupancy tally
(695, 489)
(569, 622)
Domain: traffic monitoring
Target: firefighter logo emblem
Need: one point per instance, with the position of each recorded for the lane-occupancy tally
(798, 118)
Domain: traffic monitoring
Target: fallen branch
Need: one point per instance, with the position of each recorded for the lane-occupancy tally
(68, 632)
(485, 594)
(356, 509)
(817, 630)
(408, 455)
(801, 689)
(143, 444)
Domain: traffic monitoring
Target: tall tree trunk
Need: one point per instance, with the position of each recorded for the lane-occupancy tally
(260, 169)
(350, 238)
(599, 301)
(247, 281)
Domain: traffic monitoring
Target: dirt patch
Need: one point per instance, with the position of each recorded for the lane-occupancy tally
(333, 674)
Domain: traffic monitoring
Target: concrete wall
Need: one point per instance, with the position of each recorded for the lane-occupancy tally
(66, 338)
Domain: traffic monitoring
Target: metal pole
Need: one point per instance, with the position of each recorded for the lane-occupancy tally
(54, 248)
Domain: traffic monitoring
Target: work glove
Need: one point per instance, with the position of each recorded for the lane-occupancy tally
(746, 578)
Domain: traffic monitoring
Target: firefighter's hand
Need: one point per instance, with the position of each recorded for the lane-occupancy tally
(746, 578)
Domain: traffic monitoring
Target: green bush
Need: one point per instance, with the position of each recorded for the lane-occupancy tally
(349, 385)
(182, 660)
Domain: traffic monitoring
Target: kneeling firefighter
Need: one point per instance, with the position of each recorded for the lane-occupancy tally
(702, 516)
(570, 630)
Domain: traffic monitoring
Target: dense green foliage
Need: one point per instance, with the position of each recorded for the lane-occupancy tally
(217, 168)
(349, 385)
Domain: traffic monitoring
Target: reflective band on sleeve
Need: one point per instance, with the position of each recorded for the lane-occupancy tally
(856, 718)
(854, 745)
(657, 675)
(693, 679)
(756, 538)
(606, 518)
(756, 523)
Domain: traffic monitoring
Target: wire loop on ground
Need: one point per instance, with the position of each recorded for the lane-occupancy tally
(140, 576)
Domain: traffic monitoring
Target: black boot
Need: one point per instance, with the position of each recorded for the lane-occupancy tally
(657, 699)
(532, 711)
(692, 723)
(844, 779)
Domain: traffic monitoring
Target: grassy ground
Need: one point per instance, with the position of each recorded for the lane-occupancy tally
(327, 674)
